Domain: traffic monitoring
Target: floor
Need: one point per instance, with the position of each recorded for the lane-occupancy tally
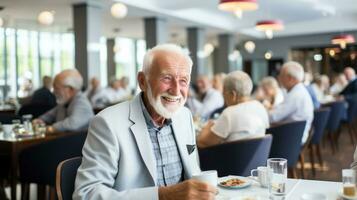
(333, 162)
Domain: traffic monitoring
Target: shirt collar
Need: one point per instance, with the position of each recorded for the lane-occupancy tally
(148, 119)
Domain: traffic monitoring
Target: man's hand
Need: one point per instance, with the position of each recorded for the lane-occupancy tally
(38, 121)
(188, 190)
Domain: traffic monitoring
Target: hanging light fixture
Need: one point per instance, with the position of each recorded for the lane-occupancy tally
(119, 10)
(249, 46)
(268, 26)
(238, 6)
(46, 17)
(343, 40)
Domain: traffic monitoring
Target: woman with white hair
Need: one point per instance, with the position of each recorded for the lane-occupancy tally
(243, 118)
(272, 94)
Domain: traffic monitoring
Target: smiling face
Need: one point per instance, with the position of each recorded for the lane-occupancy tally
(167, 82)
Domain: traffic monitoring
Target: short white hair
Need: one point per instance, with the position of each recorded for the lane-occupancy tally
(270, 82)
(72, 79)
(150, 55)
(240, 82)
(295, 70)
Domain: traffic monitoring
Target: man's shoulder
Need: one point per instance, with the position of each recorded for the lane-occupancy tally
(119, 109)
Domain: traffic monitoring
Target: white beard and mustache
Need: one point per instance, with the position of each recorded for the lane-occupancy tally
(165, 111)
(60, 100)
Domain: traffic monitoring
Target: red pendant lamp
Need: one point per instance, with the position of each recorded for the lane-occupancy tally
(268, 26)
(238, 6)
(343, 40)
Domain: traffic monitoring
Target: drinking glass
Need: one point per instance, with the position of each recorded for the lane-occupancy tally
(349, 182)
(277, 177)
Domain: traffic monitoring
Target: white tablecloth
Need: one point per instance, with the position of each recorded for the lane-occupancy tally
(295, 189)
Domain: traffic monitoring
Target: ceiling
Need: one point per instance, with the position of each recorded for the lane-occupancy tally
(299, 16)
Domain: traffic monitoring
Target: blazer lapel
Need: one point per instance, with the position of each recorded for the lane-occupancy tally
(180, 133)
(142, 137)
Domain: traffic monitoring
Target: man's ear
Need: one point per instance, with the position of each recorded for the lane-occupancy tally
(142, 81)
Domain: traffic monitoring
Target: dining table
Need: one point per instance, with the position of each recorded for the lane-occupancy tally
(295, 189)
(12, 146)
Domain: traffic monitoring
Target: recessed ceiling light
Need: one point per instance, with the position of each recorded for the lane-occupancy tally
(45, 18)
(119, 10)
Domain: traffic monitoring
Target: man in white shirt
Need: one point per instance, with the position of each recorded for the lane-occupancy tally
(110, 95)
(297, 105)
(209, 99)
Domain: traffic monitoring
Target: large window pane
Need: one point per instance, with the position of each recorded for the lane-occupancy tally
(11, 62)
(2, 64)
(46, 53)
(125, 59)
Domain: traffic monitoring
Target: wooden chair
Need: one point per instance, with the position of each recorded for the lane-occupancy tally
(65, 177)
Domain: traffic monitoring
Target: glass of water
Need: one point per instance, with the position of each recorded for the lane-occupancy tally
(277, 177)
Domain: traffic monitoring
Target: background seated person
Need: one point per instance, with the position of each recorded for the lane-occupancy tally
(271, 92)
(297, 104)
(243, 118)
(73, 111)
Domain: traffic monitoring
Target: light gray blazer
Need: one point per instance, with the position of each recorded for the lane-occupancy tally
(73, 117)
(118, 159)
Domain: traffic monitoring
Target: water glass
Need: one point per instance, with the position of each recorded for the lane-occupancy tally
(27, 123)
(277, 178)
(349, 182)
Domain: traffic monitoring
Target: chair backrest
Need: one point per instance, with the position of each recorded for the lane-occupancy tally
(38, 163)
(65, 177)
(236, 158)
(319, 124)
(34, 109)
(338, 110)
(352, 109)
(287, 141)
(6, 118)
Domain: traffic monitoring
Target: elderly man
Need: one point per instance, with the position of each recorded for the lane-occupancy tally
(145, 148)
(243, 118)
(73, 111)
(351, 89)
(208, 101)
(297, 104)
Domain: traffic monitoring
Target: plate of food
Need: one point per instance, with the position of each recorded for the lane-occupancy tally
(234, 182)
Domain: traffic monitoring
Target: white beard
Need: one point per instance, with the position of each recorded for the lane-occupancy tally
(165, 111)
(60, 100)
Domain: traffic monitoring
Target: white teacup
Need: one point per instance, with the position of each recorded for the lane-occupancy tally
(7, 129)
(261, 175)
(209, 177)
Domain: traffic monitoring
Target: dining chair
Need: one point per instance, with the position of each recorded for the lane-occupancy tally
(287, 142)
(337, 113)
(38, 163)
(350, 120)
(65, 177)
(35, 110)
(6, 118)
(318, 126)
(236, 158)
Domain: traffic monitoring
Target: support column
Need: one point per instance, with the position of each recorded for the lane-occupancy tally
(87, 32)
(111, 69)
(225, 48)
(195, 41)
(155, 31)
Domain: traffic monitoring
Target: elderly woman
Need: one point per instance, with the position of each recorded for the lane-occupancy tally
(243, 118)
(272, 94)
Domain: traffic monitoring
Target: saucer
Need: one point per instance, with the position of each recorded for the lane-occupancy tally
(347, 197)
(313, 196)
(247, 182)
